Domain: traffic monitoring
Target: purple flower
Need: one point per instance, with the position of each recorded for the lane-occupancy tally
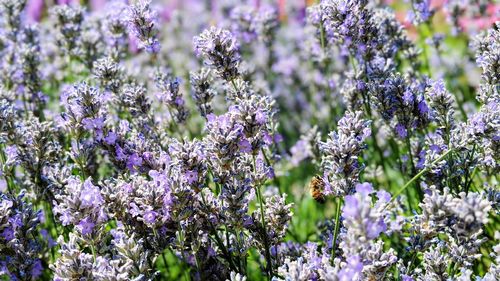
(224, 136)
(41, 216)
(160, 179)
(401, 131)
(423, 107)
(328, 187)
(94, 124)
(248, 221)
(278, 138)
(16, 221)
(36, 269)
(477, 123)
(220, 51)
(120, 155)
(268, 139)
(435, 148)
(6, 204)
(364, 188)
(270, 173)
(65, 218)
(134, 210)
(150, 217)
(90, 195)
(405, 277)
(153, 47)
(191, 176)
(142, 24)
(34, 9)
(383, 196)
(408, 97)
(11, 153)
(110, 138)
(133, 162)
(375, 228)
(8, 234)
(245, 146)
(350, 209)
(85, 226)
(260, 117)
(352, 270)
(102, 216)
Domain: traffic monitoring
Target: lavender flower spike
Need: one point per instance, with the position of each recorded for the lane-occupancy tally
(141, 20)
(341, 152)
(219, 50)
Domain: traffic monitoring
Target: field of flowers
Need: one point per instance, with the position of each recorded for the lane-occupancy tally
(238, 140)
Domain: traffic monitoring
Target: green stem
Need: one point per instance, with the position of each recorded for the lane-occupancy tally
(263, 221)
(373, 135)
(92, 248)
(322, 35)
(234, 85)
(413, 169)
(417, 176)
(337, 227)
(470, 178)
(224, 250)
(48, 207)
(275, 178)
(3, 160)
(266, 243)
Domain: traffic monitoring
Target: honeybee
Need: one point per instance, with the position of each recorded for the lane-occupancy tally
(316, 187)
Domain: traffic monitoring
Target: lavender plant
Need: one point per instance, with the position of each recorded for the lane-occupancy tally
(249, 140)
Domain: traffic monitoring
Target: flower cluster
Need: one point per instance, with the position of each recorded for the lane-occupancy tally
(333, 140)
(21, 249)
(141, 21)
(220, 50)
(341, 152)
(81, 205)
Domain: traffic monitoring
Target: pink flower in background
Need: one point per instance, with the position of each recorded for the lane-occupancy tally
(480, 23)
(34, 9)
(133, 45)
(437, 3)
(67, 2)
(97, 5)
(282, 9)
(168, 9)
